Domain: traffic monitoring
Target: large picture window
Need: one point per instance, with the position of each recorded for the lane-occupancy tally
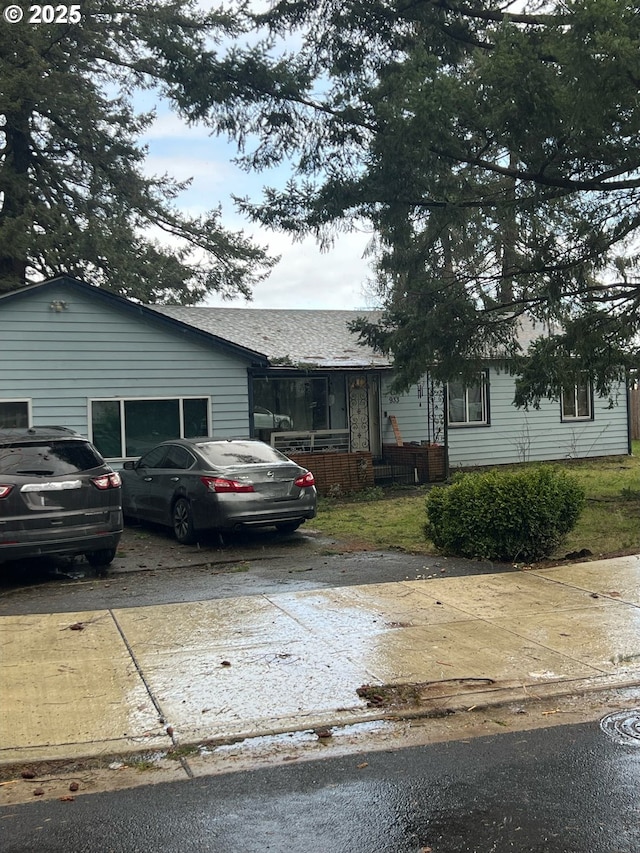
(295, 403)
(576, 402)
(128, 428)
(14, 414)
(467, 404)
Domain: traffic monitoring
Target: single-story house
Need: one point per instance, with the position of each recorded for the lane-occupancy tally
(351, 390)
(128, 375)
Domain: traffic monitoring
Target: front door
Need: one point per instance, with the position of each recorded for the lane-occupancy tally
(364, 413)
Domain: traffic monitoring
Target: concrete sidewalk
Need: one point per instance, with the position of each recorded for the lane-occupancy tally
(112, 682)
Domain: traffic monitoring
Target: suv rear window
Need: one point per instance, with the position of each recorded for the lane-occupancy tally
(49, 459)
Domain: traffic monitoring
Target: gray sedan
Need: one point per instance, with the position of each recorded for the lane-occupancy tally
(198, 484)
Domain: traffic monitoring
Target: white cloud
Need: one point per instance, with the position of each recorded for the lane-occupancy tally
(305, 277)
(308, 278)
(169, 126)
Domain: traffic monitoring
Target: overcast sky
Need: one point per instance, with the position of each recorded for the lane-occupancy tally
(305, 277)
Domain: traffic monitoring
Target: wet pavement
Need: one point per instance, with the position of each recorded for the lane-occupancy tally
(117, 681)
(567, 789)
(151, 568)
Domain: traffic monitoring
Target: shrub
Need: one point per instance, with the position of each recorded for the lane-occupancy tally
(504, 515)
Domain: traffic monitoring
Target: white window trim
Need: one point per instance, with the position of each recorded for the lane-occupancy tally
(122, 400)
(571, 418)
(26, 400)
(483, 382)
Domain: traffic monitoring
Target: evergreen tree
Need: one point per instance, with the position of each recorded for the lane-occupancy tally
(74, 197)
(495, 154)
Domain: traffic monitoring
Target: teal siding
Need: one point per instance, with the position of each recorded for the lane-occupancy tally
(61, 360)
(515, 435)
(410, 410)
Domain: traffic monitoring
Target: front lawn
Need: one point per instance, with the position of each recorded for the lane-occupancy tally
(394, 518)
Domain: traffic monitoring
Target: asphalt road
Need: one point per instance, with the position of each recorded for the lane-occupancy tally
(569, 789)
(153, 569)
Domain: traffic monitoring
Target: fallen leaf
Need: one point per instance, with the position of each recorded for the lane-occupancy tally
(74, 786)
(67, 799)
(38, 792)
(363, 765)
(28, 774)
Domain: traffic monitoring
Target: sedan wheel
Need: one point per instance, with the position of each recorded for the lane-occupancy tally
(288, 526)
(183, 522)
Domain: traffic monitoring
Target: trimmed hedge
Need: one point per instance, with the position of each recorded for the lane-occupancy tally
(504, 515)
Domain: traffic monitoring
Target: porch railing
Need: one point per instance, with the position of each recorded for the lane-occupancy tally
(316, 441)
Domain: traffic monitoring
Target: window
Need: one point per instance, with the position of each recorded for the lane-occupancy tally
(126, 428)
(225, 453)
(295, 403)
(14, 413)
(178, 458)
(576, 402)
(49, 458)
(468, 404)
(154, 458)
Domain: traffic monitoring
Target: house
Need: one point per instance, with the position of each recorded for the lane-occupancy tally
(348, 387)
(78, 356)
(128, 375)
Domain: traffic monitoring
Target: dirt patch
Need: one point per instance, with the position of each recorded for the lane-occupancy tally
(412, 694)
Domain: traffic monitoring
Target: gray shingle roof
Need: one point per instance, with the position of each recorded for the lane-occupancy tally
(300, 337)
(310, 337)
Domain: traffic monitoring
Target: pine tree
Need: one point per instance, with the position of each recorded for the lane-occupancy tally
(74, 195)
(495, 155)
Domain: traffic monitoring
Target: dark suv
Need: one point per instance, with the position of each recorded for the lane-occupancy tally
(57, 497)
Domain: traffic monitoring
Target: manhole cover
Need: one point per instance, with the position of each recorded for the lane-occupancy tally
(623, 726)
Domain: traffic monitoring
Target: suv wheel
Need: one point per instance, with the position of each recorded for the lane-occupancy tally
(102, 558)
(183, 522)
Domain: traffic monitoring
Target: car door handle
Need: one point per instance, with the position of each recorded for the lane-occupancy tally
(175, 479)
(147, 479)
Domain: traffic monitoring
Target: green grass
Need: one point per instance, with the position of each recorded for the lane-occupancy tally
(394, 518)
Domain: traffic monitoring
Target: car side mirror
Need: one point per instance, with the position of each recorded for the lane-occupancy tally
(129, 464)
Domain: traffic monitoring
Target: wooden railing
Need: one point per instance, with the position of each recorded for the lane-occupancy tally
(314, 441)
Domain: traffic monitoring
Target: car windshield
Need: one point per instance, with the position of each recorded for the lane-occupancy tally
(221, 454)
(50, 459)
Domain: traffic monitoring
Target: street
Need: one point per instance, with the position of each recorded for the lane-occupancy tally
(567, 789)
(533, 775)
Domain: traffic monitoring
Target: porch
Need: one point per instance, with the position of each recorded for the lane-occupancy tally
(338, 425)
(339, 469)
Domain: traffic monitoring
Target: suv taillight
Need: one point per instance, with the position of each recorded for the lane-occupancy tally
(4, 491)
(107, 481)
(305, 480)
(221, 484)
